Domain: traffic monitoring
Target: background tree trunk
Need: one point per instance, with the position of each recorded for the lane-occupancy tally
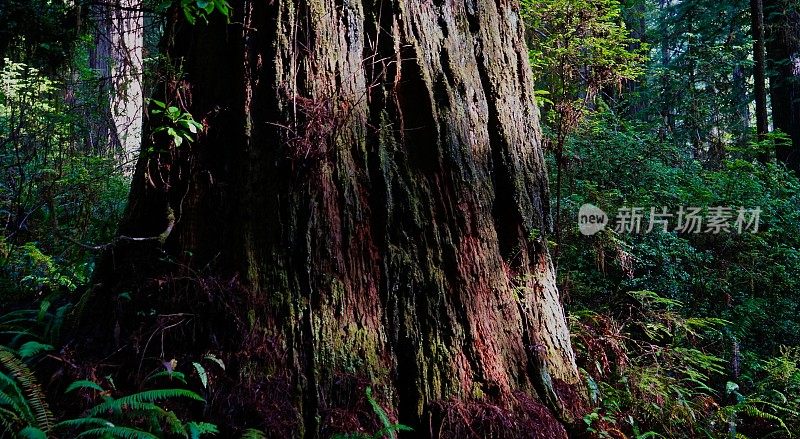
(118, 59)
(783, 53)
(358, 211)
(759, 67)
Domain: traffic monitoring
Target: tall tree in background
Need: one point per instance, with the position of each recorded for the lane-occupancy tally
(701, 47)
(759, 67)
(118, 60)
(783, 52)
(366, 186)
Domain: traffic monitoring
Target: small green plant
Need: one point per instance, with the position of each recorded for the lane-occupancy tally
(252, 433)
(389, 428)
(200, 9)
(179, 125)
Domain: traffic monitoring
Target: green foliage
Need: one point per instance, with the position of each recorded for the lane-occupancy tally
(580, 45)
(141, 400)
(178, 125)
(697, 87)
(53, 197)
(138, 415)
(650, 374)
(83, 384)
(200, 9)
(23, 406)
(742, 280)
(197, 429)
(389, 428)
(42, 31)
(577, 48)
(201, 372)
(252, 433)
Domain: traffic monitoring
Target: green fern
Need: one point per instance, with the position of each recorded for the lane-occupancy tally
(82, 423)
(117, 432)
(750, 408)
(32, 433)
(389, 428)
(252, 433)
(140, 408)
(11, 396)
(197, 429)
(137, 400)
(84, 384)
(169, 374)
(33, 400)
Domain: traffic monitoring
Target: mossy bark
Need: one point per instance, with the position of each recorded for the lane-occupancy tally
(371, 174)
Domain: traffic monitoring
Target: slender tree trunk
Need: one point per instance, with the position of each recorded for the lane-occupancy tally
(759, 69)
(360, 206)
(743, 97)
(783, 53)
(118, 58)
(667, 94)
(637, 23)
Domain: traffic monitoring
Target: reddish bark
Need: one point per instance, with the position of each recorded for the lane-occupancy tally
(370, 175)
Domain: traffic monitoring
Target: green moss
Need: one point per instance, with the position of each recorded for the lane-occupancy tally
(477, 391)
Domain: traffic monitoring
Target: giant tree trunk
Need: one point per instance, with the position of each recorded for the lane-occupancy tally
(783, 53)
(366, 187)
(118, 59)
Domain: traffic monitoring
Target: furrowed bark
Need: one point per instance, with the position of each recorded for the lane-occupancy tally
(370, 175)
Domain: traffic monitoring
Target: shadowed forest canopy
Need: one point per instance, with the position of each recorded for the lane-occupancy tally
(396, 218)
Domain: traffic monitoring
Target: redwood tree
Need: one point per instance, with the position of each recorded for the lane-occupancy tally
(783, 53)
(117, 56)
(759, 67)
(366, 205)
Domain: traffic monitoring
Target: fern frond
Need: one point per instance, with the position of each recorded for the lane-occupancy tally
(382, 416)
(8, 418)
(32, 349)
(391, 430)
(216, 360)
(154, 413)
(32, 433)
(137, 400)
(53, 330)
(82, 422)
(179, 376)
(252, 433)
(197, 429)
(84, 384)
(35, 397)
(16, 402)
(117, 432)
(201, 372)
(753, 411)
